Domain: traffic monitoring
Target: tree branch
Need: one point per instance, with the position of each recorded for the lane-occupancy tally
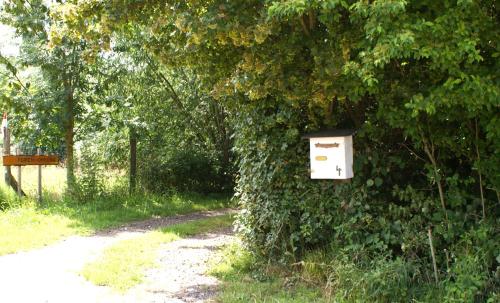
(304, 26)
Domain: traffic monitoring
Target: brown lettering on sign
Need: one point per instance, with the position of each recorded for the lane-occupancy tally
(326, 145)
(30, 160)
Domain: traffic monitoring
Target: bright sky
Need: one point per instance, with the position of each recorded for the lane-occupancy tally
(9, 44)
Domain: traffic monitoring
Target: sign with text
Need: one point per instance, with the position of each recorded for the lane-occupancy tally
(30, 160)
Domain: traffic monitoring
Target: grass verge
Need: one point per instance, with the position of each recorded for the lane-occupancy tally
(25, 228)
(25, 225)
(123, 265)
(331, 275)
(244, 282)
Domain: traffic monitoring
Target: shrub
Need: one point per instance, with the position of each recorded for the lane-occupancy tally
(90, 182)
(183, 171)
(4, 202)
(385, 210)
(475, 269)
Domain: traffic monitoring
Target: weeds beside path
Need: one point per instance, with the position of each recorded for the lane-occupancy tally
(50, 274)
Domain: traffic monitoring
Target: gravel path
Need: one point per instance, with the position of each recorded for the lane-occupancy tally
(181, 276)
(50, 274)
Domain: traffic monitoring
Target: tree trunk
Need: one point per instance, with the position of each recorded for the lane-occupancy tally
(13, 184)
(9, 178)
(69, 141)
(478, 155)
(430, 151)
(133, 159)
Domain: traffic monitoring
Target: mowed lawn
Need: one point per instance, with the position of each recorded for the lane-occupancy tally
(26, 225)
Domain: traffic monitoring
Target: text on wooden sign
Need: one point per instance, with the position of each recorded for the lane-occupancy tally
(326, 145)
(30, 160)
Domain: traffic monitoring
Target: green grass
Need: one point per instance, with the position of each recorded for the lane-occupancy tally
(53, 179)
(24, 228)
(25, 225)
(327, 275)
(244, 282)
(123, 265)
(116, 209)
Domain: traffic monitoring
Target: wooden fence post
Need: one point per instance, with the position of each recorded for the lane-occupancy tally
(6, 152)
(133, 159)
(39, 152)
(19, 189)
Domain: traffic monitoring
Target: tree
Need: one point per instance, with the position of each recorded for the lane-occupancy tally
(333, 52)
(55, 105)
(172, 111)
(169, 111)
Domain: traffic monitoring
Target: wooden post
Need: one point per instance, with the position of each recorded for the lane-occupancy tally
(19, 189)
(6, 152)
(433, 255)
(39, 152)
(133, 159)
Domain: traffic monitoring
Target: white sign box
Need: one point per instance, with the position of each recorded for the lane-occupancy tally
(331, 154)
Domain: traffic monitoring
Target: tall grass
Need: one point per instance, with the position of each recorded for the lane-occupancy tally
(333, 275)
(246, 279)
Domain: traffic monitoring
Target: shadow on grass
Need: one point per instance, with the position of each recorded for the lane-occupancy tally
(117, 209)
(25, 225)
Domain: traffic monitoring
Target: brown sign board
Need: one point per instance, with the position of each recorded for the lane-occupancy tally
(326, 145)
(30, 160)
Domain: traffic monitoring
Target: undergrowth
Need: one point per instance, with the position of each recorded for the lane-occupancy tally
(246, 279)
(336, 275)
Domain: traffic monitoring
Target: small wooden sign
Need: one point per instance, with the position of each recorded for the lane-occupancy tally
(30, 160)
(326, 145)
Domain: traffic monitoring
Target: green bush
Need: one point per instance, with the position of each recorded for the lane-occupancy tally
(385, 210)
(474, 273)
(185, 171)
(90, 182)
(472, 277)
(4, 200)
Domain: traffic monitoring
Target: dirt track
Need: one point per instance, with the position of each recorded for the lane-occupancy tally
(51, 275)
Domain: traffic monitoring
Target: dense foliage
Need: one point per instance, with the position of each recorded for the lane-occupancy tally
(419, 80)
(47, 112)
(183, 134)
(60, 94)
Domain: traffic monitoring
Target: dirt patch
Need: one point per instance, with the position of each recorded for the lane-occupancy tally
(155, 223)
(181, 276)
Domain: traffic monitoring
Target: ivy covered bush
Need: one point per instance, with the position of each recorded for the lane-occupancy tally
(373, 228)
